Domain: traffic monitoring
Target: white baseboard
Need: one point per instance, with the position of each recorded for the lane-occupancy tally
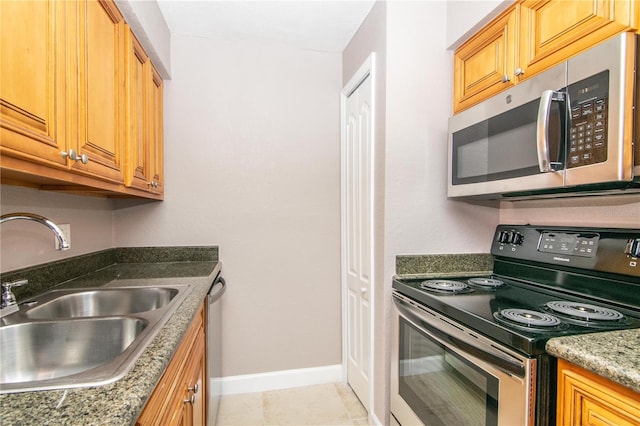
(281, 379)
(376, 421)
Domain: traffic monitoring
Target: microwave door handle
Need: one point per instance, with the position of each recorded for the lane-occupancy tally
(542, 133)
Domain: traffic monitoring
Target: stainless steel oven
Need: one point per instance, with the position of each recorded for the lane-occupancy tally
(471, 350)
(450, 375)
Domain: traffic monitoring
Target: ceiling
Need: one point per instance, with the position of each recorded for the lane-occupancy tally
(322, 25)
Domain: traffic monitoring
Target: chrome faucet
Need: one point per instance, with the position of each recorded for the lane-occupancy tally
(64, 245)
(9, 303)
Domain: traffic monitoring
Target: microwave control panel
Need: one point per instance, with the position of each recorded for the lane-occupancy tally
(588, 116)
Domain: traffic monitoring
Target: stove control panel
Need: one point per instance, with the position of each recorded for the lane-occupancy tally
(574, 244)
(608, 250)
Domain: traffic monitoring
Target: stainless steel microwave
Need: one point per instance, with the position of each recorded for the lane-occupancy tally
(566, 131)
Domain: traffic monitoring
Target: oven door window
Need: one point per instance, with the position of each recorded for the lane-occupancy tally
(440, 386)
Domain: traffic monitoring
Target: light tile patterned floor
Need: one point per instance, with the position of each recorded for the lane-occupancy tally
(328, 404)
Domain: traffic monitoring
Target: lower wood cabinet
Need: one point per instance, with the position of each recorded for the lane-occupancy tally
(181, 394)
(584, 398)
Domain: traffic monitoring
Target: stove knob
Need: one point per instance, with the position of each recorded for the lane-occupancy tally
(516, 238)
(503, 237)
(633, 247)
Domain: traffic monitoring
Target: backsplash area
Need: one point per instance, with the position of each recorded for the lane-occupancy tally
(444, 264)
(46, 276)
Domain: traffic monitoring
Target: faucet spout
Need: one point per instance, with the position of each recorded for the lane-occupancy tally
(64, 245)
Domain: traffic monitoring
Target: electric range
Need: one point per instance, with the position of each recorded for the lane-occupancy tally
(490, 331)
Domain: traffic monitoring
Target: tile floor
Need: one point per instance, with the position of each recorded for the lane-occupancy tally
(327, 404)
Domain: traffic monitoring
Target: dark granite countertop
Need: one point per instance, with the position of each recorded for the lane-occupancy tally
(613, 354)
(121, 402)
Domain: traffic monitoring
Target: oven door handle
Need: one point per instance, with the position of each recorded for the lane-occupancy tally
(465, 342)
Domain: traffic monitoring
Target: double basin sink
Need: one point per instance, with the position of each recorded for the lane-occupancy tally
(85, 337)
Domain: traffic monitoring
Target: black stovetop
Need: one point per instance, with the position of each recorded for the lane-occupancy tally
(533, 267)
(476, 309)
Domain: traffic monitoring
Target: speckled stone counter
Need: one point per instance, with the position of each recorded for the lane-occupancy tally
(613, 355)
(443, 265)
(121, 402)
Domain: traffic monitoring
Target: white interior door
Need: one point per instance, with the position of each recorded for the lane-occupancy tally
(358, 236)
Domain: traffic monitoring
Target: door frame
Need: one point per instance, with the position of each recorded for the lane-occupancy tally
(366, 70)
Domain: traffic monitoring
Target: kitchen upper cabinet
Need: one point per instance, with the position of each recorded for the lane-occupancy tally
(486, 64)
(585, 398)
(553, 30)
(100, 90)
(180, 395)
(530, 37)
(81, 105)
(32, 82)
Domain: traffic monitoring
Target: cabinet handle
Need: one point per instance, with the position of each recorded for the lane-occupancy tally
(519, 71)
(195, 388)
(505, 78)
(153, 184)
(73, 155)
(191, 400)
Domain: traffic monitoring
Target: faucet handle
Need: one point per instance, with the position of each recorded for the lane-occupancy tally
(18, 283)
(8, 298)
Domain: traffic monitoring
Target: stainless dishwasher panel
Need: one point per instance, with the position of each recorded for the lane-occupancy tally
(214, 346)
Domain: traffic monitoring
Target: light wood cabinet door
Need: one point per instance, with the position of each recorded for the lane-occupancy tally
(192, 410)
(100, 90)
(138, 92)
(175, 400)
(486, 64)
(197, 381)
(156, 132)
(554, 30)
(586, 399)
(144, 113)
(32, 81)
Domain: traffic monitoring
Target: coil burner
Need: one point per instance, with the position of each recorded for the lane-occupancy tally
(445, 286)
(586, 314)
(529, 320)
(486, 282)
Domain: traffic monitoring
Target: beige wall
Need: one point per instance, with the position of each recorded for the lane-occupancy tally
(24, 243)
(606, 211)
(252, 162)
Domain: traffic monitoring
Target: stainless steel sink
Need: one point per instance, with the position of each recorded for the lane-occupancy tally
(101, 302)
(47, 350)
(84, 337)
